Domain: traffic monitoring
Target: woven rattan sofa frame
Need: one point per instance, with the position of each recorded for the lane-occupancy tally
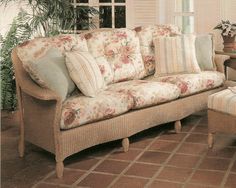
(40, 113)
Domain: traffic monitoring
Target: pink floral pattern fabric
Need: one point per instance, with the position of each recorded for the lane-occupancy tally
(193, 83)
(146, 35)
(147, 93)
(78, 109)
(117, 53)
(36, 48)
(36, 51)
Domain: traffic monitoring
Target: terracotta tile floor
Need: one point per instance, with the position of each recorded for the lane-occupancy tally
(157, 158)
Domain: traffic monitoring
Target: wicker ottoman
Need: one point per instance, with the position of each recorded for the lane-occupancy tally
(221, 113)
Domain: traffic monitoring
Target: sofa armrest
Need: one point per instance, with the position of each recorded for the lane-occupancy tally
(219, 62)
(27, 85)
(38, 92)
(40, 110)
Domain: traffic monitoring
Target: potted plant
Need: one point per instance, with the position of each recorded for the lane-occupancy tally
(15, 35)
(228, 33)
(47, 18)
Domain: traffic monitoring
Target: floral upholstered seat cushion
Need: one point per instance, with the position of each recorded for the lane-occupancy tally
(146, 35)
(117, 53)
(193, 83)
(147, 93)
(79, 109)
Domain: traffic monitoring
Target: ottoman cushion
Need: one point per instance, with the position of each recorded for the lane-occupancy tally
(223, 101)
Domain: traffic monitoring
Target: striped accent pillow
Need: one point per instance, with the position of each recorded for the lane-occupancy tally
(175, 55)
(85, 72)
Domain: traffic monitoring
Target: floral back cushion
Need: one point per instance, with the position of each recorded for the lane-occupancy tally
(146, 35)
(117, 53)
(34, 49)
(96, 41)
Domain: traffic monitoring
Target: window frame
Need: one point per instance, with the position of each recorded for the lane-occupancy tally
(182, 13)
(96, 4)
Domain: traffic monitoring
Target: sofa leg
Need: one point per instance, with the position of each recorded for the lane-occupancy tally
(21, 143)
(210, 140)
(21, 146)
(178, 126)
(125, 144)
(59, 169)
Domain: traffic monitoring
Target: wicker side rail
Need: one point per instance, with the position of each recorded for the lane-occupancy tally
(40, 111)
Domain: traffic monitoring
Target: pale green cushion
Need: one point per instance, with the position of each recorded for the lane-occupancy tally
(51, 72)
(204, 52)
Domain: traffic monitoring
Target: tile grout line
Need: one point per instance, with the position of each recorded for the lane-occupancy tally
(42, 180)
(92, 168)
(168, 152)
(135, 160)
(65, 168)
(50, 183)
(195, 168)
(228, 171)
(153, 150)
(101, 159)
(177, 182)
(204, 185)
(186, 181)
(171, 155)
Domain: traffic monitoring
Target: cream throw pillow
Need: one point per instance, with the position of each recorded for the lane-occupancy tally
(85, 72)
(175, 55)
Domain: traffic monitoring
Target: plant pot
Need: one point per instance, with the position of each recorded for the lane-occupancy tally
(229, 43)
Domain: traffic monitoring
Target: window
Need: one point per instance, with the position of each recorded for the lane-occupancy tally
(112, 13)
(184, 15)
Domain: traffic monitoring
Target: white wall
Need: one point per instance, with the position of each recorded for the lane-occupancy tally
(7, 15)
(144, 12)
(228, 12)
(208, 13)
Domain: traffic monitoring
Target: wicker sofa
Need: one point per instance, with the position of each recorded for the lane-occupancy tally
(46, 121)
